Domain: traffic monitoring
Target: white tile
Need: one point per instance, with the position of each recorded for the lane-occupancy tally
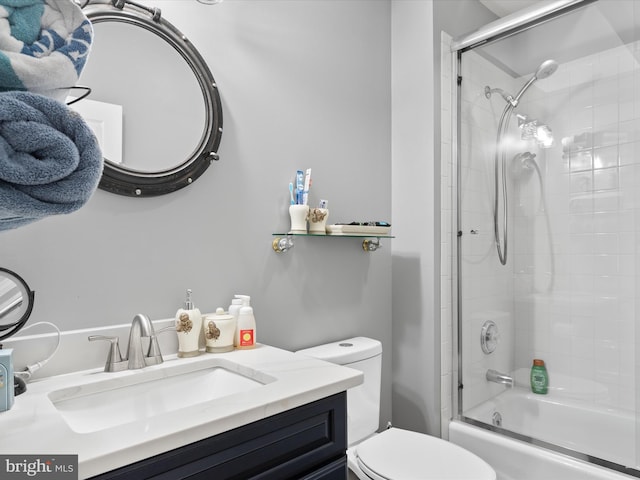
(579, 161)
(605, 157)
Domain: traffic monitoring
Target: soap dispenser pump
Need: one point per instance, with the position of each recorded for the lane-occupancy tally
(188, 327)
(246, 328)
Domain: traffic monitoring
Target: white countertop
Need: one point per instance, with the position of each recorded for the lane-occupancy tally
(35, 426)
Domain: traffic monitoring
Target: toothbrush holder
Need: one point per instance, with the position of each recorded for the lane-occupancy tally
(299, 215)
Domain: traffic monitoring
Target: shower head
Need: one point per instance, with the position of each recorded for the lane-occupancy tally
(532, 129)
(546, 69)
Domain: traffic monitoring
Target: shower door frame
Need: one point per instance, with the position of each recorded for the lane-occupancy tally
(494, 31)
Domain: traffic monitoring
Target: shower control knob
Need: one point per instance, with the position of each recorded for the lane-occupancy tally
(489, 336)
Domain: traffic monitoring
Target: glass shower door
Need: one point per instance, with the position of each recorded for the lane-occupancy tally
(549, 197)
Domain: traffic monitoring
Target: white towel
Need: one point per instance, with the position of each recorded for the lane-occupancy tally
(50, 61)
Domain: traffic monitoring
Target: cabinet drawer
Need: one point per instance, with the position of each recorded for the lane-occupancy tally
(290, 445)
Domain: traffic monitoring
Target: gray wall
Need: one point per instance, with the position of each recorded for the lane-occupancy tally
(416, 354)
(303, 85)
(416, 30)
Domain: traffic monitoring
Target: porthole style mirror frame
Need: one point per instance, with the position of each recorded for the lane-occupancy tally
(117, 177)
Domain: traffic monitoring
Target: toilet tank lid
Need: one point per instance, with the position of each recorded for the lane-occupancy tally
(346, 351)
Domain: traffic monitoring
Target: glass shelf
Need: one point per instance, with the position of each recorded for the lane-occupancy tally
(338, 235)
(284, 241)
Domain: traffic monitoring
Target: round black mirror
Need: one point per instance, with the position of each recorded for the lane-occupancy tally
(16, 303)
(154, 103)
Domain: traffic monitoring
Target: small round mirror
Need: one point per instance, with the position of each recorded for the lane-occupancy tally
(16, 303)
(154, 104)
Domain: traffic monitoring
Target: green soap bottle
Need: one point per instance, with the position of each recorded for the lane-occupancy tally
(539, 377)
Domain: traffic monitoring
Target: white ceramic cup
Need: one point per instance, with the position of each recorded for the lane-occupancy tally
(318, 220)
(219, 331)
(299, 215)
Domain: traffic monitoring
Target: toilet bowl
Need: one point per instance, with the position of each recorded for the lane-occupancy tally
(393, 454)
(397, 454)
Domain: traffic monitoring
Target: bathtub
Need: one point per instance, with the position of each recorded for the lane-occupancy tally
(572, 425)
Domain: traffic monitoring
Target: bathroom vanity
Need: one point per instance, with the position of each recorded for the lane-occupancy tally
(260, 413)
(307, 442)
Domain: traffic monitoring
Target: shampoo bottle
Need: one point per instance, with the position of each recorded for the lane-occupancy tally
(539, 377)
(188, 327)
(246, 328)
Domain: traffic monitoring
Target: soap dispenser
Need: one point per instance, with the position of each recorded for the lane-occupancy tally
(246, 328)
(188, 327)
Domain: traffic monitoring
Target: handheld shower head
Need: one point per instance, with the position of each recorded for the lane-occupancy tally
(546, 69)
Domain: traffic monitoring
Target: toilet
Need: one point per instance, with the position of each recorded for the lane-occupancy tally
(394, 454)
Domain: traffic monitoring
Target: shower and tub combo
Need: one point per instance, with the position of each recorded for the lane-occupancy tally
(545, 228)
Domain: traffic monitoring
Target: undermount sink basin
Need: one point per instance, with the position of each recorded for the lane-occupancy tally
(150, 392)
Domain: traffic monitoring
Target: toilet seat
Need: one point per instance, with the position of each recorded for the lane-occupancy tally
(397, 454)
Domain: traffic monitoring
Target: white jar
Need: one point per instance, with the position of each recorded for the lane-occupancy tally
(219, 331)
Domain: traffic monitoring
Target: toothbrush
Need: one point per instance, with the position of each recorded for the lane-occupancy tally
(307, 185)
(299, 186)
(291, 193)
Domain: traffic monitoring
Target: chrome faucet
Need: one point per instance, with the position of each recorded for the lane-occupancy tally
(141, 326)
(135, 358)
(498, 377)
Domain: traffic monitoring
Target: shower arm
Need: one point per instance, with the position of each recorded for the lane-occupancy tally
(488, 91)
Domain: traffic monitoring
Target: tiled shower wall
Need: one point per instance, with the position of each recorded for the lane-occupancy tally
(568, 292)
(575, 251)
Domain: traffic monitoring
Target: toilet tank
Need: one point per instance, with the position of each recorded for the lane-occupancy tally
(363, 401)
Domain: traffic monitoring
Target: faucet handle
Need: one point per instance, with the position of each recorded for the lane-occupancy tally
(114, 362)
(154, 356)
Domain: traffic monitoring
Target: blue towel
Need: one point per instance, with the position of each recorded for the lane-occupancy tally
(50, 160)
(44, 45)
